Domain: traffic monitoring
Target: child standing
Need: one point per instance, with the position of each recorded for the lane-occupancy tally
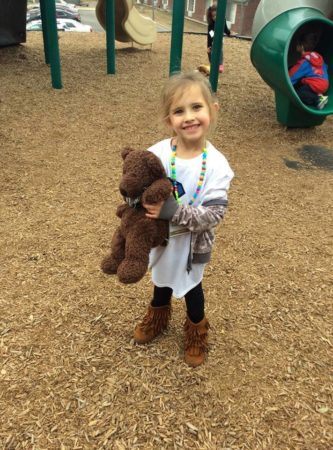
(200, 177)
(211, 18)
(309, 75)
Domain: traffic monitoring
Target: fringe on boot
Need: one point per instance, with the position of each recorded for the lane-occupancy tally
(196, 341)
(154, 322)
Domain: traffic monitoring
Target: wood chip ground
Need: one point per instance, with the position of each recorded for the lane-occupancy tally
(70, 375)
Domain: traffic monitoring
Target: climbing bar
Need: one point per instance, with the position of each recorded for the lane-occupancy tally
(110, 37)
(51, 43)
(178, 12)
(217, 43)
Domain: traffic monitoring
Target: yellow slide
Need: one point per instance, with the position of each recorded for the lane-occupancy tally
(130, 25)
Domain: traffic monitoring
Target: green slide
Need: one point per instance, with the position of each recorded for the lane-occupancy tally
(273, 50)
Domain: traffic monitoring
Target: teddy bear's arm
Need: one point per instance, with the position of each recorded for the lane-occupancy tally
(158, 191)
(120, 210)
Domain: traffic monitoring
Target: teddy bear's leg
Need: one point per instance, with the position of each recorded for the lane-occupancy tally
(111, 262)
(135, 263)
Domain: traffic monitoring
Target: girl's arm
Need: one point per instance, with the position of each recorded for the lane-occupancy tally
(212, 210)
(195, 218)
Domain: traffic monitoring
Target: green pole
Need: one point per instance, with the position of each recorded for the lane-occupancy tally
(52, 43)
(46, 46)
(178, 12)
(110, 36)
(217, 43)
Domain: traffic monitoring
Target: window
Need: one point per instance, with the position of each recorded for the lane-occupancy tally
(191, 6)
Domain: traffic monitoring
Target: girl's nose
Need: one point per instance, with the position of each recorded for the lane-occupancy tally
(189, 115)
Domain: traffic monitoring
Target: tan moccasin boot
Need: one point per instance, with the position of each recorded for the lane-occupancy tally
(154, 322)
(196, 341)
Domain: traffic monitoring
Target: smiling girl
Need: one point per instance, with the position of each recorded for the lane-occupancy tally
(200, 177)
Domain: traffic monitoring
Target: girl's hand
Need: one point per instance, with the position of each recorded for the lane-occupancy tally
(153, 211)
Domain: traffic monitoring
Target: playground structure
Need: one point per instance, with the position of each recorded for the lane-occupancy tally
(123, 22)
(130, 25)
(275, 30)
(276, 27)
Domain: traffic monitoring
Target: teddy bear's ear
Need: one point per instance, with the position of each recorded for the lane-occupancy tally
(154, 165)
(126, 151)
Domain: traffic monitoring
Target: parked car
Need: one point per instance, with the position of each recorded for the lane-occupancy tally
(69, 5)
(79, 2)
(74, 25)
(62, 25)
(36, 25)
(62, 3)
(61, 13)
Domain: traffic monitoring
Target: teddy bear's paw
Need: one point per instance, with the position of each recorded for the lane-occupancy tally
(131, 271)
(109, 265)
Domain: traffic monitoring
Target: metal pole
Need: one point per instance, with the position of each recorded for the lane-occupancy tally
(178, 12)
(52, 42)
(46, 45)
(217, 43)
(110, 36)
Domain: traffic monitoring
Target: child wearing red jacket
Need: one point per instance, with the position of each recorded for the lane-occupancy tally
(309, 75)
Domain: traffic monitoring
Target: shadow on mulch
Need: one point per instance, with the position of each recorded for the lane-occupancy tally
(313, 155)
(132, 50)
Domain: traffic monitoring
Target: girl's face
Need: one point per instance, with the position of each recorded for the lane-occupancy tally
(190, 116)
(214, 14)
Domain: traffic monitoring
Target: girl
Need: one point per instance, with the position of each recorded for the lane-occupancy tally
(211, 18)
(200, 177)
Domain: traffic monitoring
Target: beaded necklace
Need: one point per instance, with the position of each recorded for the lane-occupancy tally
(174, 177)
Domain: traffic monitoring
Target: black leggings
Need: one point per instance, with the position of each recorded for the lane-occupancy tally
(307, 95)
(195, 301)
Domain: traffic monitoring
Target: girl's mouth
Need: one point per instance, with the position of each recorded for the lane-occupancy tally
(191, 127)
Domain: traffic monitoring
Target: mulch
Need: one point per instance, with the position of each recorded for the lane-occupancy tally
(71, 376)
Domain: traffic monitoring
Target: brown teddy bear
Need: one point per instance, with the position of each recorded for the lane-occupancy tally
(143, 181)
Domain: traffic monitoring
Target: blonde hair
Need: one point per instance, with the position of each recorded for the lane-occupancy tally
(175, 87)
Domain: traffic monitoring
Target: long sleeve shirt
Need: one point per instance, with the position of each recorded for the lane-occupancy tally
(211, 30)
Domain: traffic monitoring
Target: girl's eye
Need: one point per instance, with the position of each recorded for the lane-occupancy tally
(197, 107)
(178, 111)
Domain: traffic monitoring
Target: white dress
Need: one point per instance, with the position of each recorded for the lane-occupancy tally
(169, 264)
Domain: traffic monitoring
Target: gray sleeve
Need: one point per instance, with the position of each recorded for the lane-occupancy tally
(202, 217)
(169, 208)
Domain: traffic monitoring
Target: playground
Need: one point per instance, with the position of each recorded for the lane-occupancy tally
(71, 377)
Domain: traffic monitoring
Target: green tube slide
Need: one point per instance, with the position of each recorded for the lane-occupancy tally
(274, 50)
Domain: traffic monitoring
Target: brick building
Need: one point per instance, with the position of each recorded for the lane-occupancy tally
(239, 13)
(242, 23)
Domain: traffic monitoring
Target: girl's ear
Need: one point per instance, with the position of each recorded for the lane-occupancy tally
(167, 121)
(216, 107)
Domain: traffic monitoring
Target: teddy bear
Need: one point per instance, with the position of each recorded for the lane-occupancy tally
(143, 181)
